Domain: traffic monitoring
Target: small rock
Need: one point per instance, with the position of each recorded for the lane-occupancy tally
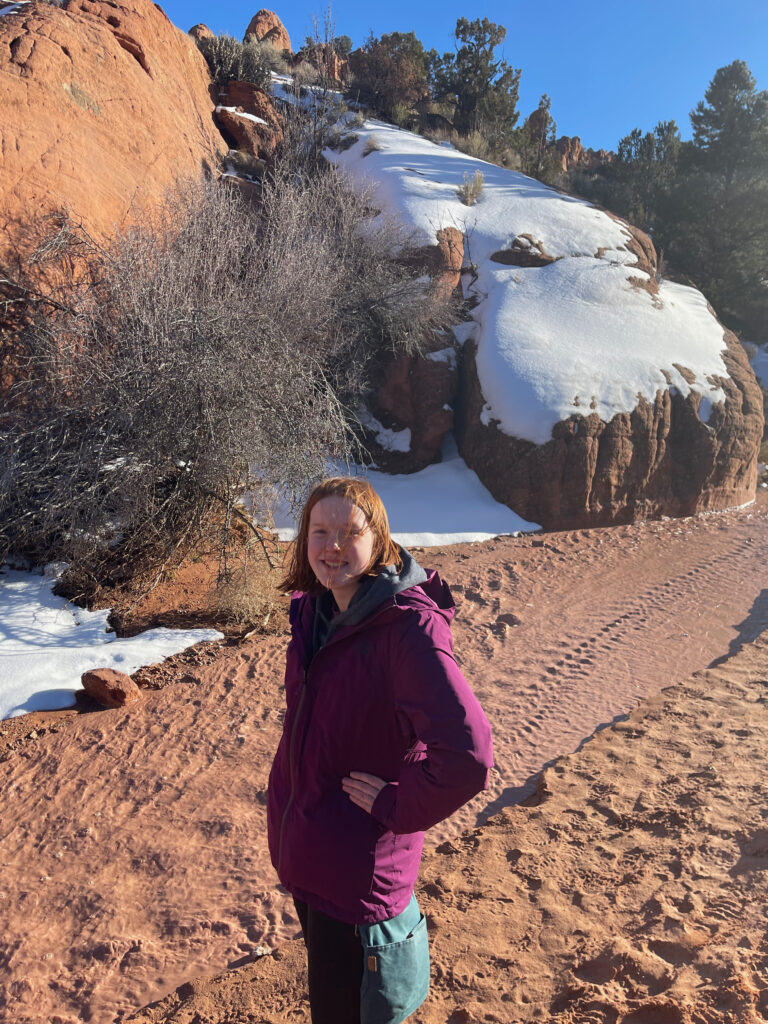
(111, 688)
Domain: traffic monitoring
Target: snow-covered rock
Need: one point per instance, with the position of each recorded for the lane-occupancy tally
(591, 392)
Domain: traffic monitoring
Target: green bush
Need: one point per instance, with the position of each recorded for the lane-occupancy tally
(403, 116)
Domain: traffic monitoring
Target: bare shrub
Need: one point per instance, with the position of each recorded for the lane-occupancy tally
(246, 584)
(471, 189)
(475, 145)
(230, 60)
(211, 353)
(312, 106)
(314, 119)
(372, 145)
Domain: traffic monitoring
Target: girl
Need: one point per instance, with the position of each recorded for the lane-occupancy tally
(382, 739)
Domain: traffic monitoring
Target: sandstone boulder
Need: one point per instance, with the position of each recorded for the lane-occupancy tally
(266, 27)
(105, 106)
(591, 390)
(111, 688)
(573, 154)
(660, 459)
(248, 119)
(325, 60)
(200, 31)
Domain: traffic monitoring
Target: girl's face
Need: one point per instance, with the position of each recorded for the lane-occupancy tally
(339, 546)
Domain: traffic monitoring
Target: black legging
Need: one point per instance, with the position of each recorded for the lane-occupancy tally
(334, 967)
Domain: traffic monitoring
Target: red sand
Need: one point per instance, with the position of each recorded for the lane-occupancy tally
(132, 841)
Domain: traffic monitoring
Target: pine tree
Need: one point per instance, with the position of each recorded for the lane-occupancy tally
(483, 88)
(730, 127)
(535, 143)
(643, 172)
(715, 221)
(390, 70)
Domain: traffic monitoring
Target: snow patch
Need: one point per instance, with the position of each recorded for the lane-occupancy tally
(390, 440)
(464, 331)
(444, 355)
(46, 644)
(241, 113)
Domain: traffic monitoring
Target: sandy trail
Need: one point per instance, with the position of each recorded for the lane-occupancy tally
(132, 843)
(633, 892)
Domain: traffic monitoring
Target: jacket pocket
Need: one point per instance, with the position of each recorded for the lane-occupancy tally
(395, 974)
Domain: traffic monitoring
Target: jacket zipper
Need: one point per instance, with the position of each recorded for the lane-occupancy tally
(291, 742)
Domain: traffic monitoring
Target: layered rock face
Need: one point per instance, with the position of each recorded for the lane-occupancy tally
(265, 26)
(573, 154)
(105, 106)
(660, 459)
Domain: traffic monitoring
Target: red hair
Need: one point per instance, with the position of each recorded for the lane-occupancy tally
(299, 575)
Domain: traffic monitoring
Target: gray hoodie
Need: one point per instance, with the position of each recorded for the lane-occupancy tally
(370, 594)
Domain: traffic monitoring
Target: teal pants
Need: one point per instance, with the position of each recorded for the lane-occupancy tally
(365, 974)
(395, 967)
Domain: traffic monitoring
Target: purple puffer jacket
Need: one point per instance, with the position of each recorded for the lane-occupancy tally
(384, 696)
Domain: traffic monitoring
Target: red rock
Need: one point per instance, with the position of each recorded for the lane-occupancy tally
(260, 140)
(660, 459)
(110, 688)
(200, 31)
(573, 154)
(105, 107)
(267, 28)
(323, 58)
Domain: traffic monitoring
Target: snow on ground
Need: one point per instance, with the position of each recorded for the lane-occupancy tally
(46, 644)
(571, 337)
(10, 8)
(390, 440)
(442, 504)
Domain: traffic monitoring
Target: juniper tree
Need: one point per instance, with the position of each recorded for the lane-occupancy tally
(483, 87)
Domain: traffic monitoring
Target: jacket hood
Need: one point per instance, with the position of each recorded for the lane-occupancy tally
(375, 590)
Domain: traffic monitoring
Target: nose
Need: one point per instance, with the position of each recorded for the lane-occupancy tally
(334, 541)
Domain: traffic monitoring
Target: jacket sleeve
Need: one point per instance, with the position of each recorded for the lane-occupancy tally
(431, 691)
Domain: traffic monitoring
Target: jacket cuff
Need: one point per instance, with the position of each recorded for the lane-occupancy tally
(383, 809)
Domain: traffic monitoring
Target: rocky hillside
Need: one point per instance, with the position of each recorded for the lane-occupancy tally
(583, 389)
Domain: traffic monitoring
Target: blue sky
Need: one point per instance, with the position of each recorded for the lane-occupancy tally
(609, 66)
